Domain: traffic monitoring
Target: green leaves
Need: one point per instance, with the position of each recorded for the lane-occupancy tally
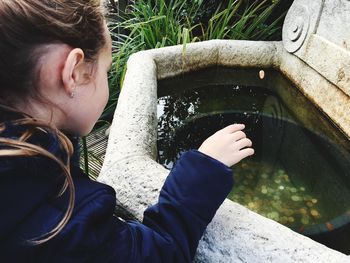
(253, 25)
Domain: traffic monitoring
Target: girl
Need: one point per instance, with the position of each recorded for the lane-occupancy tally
(54, 59)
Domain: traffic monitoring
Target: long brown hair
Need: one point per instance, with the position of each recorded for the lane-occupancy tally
(26, 28)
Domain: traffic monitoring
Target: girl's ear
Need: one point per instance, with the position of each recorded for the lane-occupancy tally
(75, 71)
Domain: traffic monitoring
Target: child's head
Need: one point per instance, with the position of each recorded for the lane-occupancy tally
(54, 58)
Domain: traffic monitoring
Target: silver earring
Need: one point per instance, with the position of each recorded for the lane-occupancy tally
(72, 94)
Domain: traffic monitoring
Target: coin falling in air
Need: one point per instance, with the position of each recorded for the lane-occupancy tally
(261, 74)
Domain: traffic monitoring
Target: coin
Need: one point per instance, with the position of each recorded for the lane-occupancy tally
(303, 211)
(309, 204)
(261, 74)
(314, 213)
(295, 198)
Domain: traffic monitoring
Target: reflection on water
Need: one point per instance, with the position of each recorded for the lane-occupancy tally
(176, 111)
(300, 173)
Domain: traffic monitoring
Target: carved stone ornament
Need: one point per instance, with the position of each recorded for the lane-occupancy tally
(296, 27)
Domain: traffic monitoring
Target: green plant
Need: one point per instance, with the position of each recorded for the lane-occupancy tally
(243, 20)
(151, 24)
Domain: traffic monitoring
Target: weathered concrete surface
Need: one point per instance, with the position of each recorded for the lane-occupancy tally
(236, 234)
(172, 61)
(326, 96)
(318, 33)
(239, 235)
(334, 22)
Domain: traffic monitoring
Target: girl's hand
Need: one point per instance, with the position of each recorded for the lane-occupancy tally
(228, 145)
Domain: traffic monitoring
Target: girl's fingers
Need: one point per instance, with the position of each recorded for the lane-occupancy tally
(238, 135)
(245, 142)
(233, 128)
(245, 153)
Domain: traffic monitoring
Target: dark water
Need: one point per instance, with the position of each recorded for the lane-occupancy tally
(299, 175)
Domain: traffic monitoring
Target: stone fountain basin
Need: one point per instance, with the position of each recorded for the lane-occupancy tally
(236, 234)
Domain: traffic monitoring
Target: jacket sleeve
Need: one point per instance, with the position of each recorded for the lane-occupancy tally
(193, 191)
(171, 229)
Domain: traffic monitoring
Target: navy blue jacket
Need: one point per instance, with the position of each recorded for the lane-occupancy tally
(170, 231)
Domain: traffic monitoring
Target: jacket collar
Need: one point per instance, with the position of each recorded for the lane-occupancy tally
(47, 140)
(20, 177)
